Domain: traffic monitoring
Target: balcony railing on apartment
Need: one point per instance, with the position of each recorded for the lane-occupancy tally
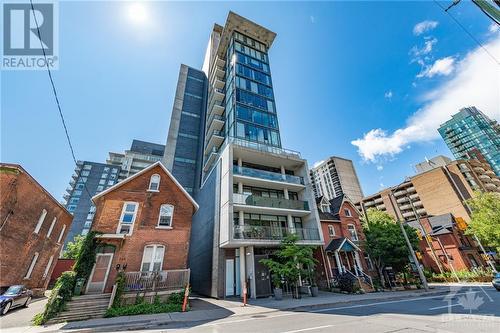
(264, 147)
(158, 280)
(254, 200)
(269, 175)
(274, 233)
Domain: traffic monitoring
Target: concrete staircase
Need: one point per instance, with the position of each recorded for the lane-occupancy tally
(367, 288)
(83, 307)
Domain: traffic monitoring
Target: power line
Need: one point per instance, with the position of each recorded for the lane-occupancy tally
(467, 31)
(54, 90)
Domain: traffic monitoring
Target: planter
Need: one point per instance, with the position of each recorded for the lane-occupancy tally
(304, 290)
(314, 291)
(278, 294)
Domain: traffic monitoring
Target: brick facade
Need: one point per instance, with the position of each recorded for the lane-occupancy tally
(145, 231)
(21, 205)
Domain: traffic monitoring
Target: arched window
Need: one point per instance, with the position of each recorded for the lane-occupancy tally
(166, 216)
(154, 183)
(40, 221)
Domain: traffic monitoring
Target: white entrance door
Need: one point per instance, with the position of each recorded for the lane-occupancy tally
(100, 272)
(229, 277)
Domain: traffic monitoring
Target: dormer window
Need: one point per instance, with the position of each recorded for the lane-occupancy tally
(347, 212)
(325, 208)
(154, 183)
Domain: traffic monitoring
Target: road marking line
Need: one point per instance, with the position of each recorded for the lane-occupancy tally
(308, 329)
(444, 306)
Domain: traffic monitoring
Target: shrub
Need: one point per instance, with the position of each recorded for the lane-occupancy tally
(86, 257)
(143, 308)
(475, 275)
(120, 288)
(176, 298)
(347, 283)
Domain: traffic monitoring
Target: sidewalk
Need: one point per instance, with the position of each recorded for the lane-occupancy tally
(208, 309)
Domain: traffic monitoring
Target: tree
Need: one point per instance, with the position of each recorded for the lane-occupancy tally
(485, 218)
(292, 261)
(385, 243)
(73, 247)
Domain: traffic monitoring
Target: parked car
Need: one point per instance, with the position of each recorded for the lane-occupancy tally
(15, 296)
(496, 281)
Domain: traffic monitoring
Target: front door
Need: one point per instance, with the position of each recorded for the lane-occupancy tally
(100, 272)
(229, 277)
(262, 278)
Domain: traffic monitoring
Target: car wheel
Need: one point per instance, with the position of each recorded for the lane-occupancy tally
(6, 308)
(28, 301)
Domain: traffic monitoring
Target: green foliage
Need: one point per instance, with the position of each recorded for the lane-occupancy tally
(120, 288)
(347, 283)
(173, 304)
(62, 292)
(476, 275)
(74, 247)
(485, 219)
(86, 257)
(384, 241)
(292, 260)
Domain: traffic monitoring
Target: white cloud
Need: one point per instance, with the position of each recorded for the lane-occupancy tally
(442, 66)
(493, 28)
(312, 18)
(425, 49)
(380, 167)
(318, 163)
(474, 82)
(424, 26)
(388, 94)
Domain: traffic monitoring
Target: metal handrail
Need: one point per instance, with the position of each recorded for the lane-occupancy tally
(253, 200)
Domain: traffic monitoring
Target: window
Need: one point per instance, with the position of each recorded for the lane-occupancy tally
(47, 269)
(71, 208)
(325, 208)
(90, 216)
(154, 183)
(102, 181)
(84, 232)
(99, 188)
(347, 212)
(104, 175)
(111, 182)
(331, 231)
(32, 265)
(369, 262)
(79, 186)
(85, 173)
(74, 201)
(59, 239)
(352, 232)
(87, 167)
(82, 179)
(166, 214)
(51, 227)
(40, 221)
(127, 218)
(106, 169)
(77, 192)
(152, 259)
(114, 171)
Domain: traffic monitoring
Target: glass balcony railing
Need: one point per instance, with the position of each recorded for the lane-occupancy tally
(274, 233)
(253, 200)
(256, 173)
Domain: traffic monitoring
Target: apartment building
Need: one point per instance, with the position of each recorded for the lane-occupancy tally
(335, 177)
(470, 129)
(140, 155)
(252, 192)
(88, 179)
(34, 226)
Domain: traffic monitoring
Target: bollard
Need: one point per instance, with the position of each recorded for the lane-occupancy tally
(245, 294)
(186, 297)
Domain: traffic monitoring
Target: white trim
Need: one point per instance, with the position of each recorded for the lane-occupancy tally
(330, 229)
(61, 234)
(112, 188)
(32, 265)
(355, 232)
(105, 276)
(111, 236)
(347, 212)
(51, 227)
(350, 242)
(120, 222)
(164, 228)
(171, 217)
(48, 267)
(151, 182)
(40, 221)
(153, 255)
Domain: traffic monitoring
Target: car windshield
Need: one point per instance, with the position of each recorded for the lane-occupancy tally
(497, 275)
(13, 290)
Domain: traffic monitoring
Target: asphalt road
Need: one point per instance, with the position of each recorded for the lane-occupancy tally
(470, 310)
(21, 317)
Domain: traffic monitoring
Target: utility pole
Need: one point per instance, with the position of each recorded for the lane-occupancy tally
(408, 244)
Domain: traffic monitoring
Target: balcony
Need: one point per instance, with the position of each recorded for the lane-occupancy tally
(408, 214)
(421, 211)
(273, 233)
(399, 193)
(490, 173)
(414, 196)
(495, 181)
(211, 157)
(219, 84)
(484, 177)
(172, 280)
(267, 175)
(378, 200)
(479, 169)
(369, 204)
(401, 200)
(216, 123)
(270, 203)
(411, 189)
(215, 139)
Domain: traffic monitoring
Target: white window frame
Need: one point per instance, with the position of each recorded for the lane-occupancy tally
(46, 272)
(331, 230)
(151, 182)
(136, 205)
(347, 212)
(171, 218)
(51, 227)
(59, 239)
(325, 208)
(40, 221)
(32, 266)
(354, 236)
(153, 255)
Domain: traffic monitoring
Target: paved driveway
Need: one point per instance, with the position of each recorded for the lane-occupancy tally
(21, 317)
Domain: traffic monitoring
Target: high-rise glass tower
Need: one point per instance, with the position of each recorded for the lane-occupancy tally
(470, 131)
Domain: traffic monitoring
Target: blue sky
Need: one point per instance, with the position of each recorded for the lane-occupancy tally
(342, 72)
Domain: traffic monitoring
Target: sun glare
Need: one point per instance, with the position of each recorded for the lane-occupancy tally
(137, 13)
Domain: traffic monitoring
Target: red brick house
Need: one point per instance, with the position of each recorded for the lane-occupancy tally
(450, 246)
(144, 224)
(32, 230)
(343, 234)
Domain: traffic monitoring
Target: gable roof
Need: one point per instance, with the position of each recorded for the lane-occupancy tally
(126, 180)
(440, 224)
(337, 202)
(337, 244)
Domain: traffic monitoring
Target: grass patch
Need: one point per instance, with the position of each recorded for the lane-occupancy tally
(172, 304)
